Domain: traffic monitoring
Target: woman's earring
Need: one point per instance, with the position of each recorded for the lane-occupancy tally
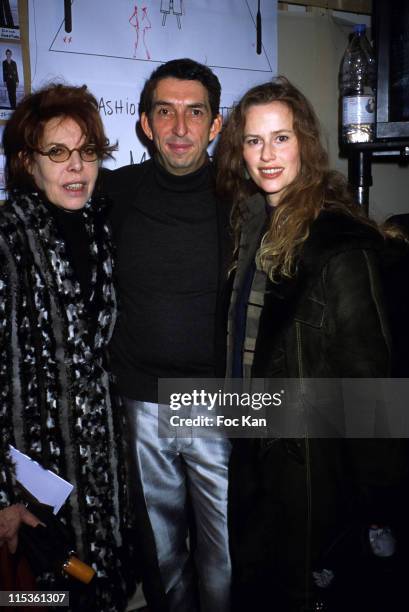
(246, 174)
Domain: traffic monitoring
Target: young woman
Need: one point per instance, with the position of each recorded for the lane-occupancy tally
(306, 304)
(57, 311)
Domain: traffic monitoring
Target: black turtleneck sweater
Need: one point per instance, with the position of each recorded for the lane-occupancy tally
(165, 231)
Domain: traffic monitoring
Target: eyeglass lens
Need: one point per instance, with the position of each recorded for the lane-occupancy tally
(61, 153)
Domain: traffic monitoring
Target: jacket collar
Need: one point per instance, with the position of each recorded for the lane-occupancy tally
(255, 205)
(332, 233)
(254, 217)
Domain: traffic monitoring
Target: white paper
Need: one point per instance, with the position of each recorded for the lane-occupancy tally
(46, 486)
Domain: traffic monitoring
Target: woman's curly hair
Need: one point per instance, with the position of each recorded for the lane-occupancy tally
(315, 187)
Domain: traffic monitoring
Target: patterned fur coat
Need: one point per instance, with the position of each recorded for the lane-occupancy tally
(54, 390)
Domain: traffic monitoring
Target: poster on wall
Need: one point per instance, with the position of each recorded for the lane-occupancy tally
(2, 161)
(9, 19)
(114, 46)
(12, 84)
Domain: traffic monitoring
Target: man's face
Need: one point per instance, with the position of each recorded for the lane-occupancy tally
(180, 124)
(8, 55)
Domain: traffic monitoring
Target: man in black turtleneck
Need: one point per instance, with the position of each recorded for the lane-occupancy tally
(172, 253)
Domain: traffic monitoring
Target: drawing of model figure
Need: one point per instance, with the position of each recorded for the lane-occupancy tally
(146, 25)
(171, 6)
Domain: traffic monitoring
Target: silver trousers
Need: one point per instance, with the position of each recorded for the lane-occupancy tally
(174, 473)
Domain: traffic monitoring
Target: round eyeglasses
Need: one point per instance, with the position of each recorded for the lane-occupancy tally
(60, 153)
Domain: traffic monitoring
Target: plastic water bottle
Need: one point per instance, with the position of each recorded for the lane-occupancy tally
(357, 81)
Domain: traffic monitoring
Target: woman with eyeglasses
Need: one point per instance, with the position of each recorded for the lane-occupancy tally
(57, 310)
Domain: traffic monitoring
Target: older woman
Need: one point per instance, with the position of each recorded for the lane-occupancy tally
(307, 304)
(57, 310)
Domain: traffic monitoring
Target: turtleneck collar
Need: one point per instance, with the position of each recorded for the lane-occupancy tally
(59, 212)
(200, 180)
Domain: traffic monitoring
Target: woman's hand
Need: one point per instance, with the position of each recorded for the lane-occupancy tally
(10, 521)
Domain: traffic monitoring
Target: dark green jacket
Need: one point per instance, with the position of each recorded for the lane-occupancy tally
(296, 504)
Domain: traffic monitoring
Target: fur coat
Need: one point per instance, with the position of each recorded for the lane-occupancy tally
(54, 389)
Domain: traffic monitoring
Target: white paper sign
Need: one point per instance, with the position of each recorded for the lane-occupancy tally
(114, 46)
(46, 486)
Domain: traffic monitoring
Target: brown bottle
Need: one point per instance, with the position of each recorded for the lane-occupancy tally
(78, 569)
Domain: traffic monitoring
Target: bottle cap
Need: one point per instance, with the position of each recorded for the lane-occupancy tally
(78, 569)
(360, 28)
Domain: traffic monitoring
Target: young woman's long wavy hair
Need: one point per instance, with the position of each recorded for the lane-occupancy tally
(315, 187)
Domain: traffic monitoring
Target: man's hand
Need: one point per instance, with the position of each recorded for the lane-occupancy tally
(10, 521)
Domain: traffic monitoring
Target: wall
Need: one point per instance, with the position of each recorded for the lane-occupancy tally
(310, 47)
(114, 46)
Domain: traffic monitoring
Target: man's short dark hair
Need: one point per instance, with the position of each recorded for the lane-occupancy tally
(187, 70)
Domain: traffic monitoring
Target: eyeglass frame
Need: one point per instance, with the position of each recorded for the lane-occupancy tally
(70, 152)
